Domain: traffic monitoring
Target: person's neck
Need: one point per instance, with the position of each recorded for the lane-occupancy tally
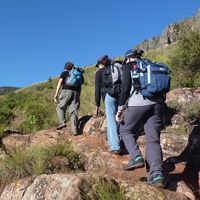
(131, 60)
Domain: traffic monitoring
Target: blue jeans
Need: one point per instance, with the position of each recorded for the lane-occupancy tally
(111, 105)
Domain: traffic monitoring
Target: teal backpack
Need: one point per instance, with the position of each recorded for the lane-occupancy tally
(75, 77)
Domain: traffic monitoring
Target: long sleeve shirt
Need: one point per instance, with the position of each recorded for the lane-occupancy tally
(98, 87)
(133, 98)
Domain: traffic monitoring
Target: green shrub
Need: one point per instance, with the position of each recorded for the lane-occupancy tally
(185, 60)
(37, 116)
(174, 105)
(102, 189)
(21, 163)
(64, 148)
(192, 111)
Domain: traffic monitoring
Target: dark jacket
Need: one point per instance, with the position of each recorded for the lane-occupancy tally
(100, 91)
(134, 99)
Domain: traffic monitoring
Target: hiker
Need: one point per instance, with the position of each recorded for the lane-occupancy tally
(110, 94)
(70, 84)
(132, 110)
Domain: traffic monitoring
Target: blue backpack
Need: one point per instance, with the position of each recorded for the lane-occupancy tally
(150, 78)
(75, 77)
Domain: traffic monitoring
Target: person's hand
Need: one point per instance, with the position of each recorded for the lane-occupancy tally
(56, 99)
(119, 116)
(99, 110)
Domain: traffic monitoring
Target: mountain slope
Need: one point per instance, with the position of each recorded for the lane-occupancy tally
(7, 89)
(32, 108)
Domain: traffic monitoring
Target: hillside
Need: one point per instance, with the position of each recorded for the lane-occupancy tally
(32, 108)
(6, 90)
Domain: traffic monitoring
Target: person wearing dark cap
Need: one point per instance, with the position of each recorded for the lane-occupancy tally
(69, 96)
(111, 103)
(140, 110)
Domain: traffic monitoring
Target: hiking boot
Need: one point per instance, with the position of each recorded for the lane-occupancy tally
(61, 126)
(117, 152)
(157, 181)
(137, 162)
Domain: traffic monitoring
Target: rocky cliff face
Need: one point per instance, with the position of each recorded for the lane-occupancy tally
(171, 33)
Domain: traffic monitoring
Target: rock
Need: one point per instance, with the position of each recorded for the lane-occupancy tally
(59, 162)
(55, 186)
(14, 141)
(94, 124)
(171, 33)
(49, 187)
(143, 191)
(183, 188)
(172, 144)
(16, 190)
(41, 138)
(44, 138)
(184, 96)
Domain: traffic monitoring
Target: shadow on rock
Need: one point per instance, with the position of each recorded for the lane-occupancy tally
(82, 121)
(191, 156)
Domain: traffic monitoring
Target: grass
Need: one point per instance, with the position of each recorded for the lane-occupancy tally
(21, 163)
(102, 189)
(32, 108)
(192, 111)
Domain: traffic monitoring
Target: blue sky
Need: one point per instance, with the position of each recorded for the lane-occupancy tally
(38, 36)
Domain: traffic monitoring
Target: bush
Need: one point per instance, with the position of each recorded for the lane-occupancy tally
(6, 109)
(37, 116)
(185, 61)
(192, 112)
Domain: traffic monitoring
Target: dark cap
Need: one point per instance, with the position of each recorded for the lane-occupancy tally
(137, 53)
(69, 64)
(100, 59)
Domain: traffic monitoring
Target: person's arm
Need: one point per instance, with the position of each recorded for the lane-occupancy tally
(126, 85)
(57, 89)
(125, 92)
(98, 80)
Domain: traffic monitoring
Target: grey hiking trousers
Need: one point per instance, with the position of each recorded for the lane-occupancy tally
(151, 117)
(71, 99)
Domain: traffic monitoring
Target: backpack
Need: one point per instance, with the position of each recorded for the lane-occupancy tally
(75, 77)
(112, 79)
(150, 78)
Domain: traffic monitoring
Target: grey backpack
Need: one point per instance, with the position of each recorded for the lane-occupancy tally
(115, 79)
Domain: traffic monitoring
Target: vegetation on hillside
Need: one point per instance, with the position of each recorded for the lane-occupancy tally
(31, 109)
(183, 60)
(6, 90)
(23, 162)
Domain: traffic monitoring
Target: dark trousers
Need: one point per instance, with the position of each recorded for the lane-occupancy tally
(151, 117)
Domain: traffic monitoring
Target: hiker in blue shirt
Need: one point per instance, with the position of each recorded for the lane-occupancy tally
(70, 87)
(103, 87)
(145, 110)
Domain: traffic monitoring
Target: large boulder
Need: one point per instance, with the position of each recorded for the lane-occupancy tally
(184, 96)
(45, 187)
(41, 139)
